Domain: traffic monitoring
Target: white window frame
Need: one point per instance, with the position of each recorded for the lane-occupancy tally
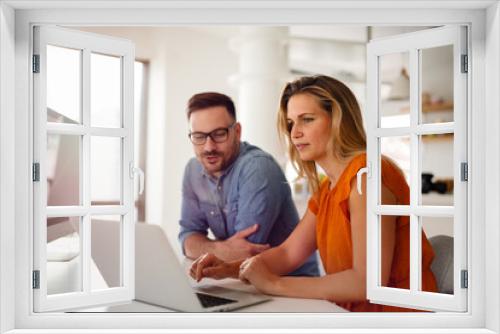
(411, 44)
(87, 43)
(16, 19)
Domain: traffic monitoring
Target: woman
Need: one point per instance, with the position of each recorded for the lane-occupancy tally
(321, 121)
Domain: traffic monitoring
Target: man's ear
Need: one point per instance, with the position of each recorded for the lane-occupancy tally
(237, 129)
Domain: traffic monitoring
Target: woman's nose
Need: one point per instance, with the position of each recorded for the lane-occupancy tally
(296, 132)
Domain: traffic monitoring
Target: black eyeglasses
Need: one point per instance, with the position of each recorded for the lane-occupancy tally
(218, 135)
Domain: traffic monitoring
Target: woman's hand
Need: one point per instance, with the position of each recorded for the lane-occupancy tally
(209, 265)
(254, 271)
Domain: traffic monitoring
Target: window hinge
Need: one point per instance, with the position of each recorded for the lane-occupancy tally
(36, 172)
(465, 279)
(36, 63)
(465, 64)
(36, 279)
(464, 171)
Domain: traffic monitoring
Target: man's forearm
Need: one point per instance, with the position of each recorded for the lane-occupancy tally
(197, 244)
(234, 248)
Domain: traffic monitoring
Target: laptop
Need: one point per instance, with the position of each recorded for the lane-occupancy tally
(161, 280)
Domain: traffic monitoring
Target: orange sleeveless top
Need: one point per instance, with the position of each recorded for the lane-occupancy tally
(333, 232)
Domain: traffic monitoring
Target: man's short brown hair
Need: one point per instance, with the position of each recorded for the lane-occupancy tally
(210, 99)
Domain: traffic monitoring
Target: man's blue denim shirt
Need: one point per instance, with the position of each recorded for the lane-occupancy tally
(253, 189)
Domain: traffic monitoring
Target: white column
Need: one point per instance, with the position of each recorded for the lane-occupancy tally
(263, 71)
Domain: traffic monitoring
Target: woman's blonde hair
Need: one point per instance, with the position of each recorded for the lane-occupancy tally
(348, 135)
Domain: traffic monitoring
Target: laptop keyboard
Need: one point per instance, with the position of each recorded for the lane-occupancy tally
(209, 300)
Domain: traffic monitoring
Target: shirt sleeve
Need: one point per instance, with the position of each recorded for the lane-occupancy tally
(192, 217)
(313, 204)
(262, 189)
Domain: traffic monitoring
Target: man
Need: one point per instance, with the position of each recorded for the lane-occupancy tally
(232, 188)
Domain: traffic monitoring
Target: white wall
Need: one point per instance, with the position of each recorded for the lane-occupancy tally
(205, 63)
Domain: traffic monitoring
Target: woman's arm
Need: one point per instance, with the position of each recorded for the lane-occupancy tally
(347, 285)
(295, 250)
(343, 286)
(281, 260)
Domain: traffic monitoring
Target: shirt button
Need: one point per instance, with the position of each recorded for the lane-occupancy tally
(219, 187)
(212, 213)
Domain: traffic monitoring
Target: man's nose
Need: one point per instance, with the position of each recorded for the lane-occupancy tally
(209, 144)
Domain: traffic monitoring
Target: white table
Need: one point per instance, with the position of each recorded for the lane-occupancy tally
(277, 304)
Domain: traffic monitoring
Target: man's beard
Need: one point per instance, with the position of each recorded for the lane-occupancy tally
(213, 153)
(225, 160)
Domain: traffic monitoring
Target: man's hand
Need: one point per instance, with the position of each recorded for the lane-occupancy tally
(209, 265)
(237, 247)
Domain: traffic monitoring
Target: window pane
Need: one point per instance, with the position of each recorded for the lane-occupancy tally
(106, 251)
(63, 85)
(439, 231)
(395, 235)
(106, 171)
(105, 91)
(396, 157)
(64, 266)
(436, 153)
(63, 170)
(437, 84)
(394, 90)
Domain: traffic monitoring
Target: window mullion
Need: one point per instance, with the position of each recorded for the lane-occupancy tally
(86, 126)
(86, 253)
(127, 225)
(414, 170)
(78, 129)
(420, 129)
(71, 211)
(415, 270)
(421, 210)
(439, 128)
(372, 150)
(85, 177)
